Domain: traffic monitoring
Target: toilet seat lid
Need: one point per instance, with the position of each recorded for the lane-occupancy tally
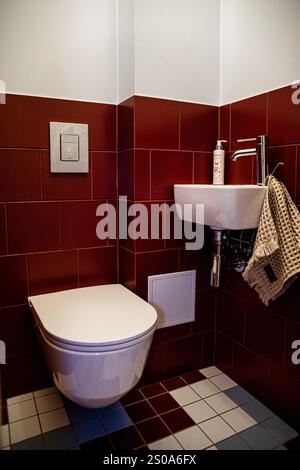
(100, 315)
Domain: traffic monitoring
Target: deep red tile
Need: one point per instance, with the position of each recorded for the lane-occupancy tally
(148, 243)
(232, 281)
(3, 249)
(284, 117)
(33, 227)
(192, 377)
(287, 173)
(240, 171)
(172, 332)
(20, 175)
(141, 175)
(126, 439)
(231, 313)
(36, 115)
(155, 367)
(148, 264)
(173, 383)
(60, 186)
(292, 334)
(126, 124)
(208, 350)
(131, 397)
(13, 280)
(104, 167)
(78, 224)
(224, 129)
(51, 272)
(101, 119)
(4, 415)
(248, 120)
(126, 174)
(204, 311)
(97, 266)
(10, 122)
(140, 411)
(224, 353)
(167, 169)
(34, 376)
(198, 126)
(267, 340)
(127, 268)
(287, 304)
(250, 371)
(156, 123)
(203, 168)
(183, 354)
(199, 260)
(177, 420)
(153, 390)
(283, 396)
(17, 329)
(153, 429)
(163, 403)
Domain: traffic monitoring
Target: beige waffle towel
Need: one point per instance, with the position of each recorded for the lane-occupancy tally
(276, 255)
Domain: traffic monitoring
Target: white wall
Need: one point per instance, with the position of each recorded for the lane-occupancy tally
(177, 49)
(59, 48)
(260, 42)
(126, 63)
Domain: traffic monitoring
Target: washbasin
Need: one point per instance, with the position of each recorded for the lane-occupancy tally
(226, 207)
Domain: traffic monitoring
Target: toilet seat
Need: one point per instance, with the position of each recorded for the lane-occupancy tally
(93, 319)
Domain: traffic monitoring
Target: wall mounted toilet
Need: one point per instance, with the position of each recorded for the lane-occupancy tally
(95, 340)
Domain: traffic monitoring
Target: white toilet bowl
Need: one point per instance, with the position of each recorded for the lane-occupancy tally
(95, 340)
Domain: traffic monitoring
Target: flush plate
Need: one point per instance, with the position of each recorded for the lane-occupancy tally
(69, 148)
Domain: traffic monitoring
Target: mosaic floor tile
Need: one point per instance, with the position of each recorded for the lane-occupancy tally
(210, 371)
(102, 444)
(153, 390)
(257, 411)
(44, 392)
(239, 395)
(184, 395)
(140, 411)
(172, 384)
(238, 419)
(35, 443)
(177, 420)
(279, 429)
(133, 396)
(233, 443)
(48, 402)
(21, 410)
(259, 439)
(220, 403)
(205, 388)
(167, 443)
(152, 430)
(4, 436)
(216, 429)
(223, 382)
(199, 411)
(25, 429)
(163, 403)
(19, 398)
(192, 377)
(193, 439)
(60, 439)
(78, 413)
(126, 439)
(53, 420)
(115, 420)
(88, 430)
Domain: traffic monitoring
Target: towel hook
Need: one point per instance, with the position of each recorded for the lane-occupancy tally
(278, 165)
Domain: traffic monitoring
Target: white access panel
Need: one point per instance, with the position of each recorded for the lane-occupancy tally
(173, 297)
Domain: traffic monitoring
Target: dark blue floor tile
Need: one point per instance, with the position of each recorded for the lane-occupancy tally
(88, 430)
(35, 443)
(60, 439)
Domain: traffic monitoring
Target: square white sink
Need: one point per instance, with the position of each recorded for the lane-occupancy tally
(226, 207)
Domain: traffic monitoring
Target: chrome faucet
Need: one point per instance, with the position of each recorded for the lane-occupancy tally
(261, 152)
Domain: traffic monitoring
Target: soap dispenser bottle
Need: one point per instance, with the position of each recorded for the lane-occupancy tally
(219, 163)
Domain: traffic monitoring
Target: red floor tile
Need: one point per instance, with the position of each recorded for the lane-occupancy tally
(153, 390)
(152, 429)
(140, 411)
(126, 439)
(177, 420)
(192, 377)
(163, 403)
(172, 384)
(133, 396)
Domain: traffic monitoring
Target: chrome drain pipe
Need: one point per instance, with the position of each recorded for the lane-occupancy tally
(216, 267)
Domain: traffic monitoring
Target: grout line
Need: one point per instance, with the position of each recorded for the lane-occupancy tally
(6, 230)
(179, 125)
(27, 274)
(59, 226)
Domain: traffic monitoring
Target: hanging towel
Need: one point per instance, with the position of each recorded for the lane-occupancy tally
(275, 261)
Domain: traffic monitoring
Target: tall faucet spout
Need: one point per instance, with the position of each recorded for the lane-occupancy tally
(261, 152)
(243, 153)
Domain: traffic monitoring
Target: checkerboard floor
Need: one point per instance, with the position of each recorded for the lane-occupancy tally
(201, 410)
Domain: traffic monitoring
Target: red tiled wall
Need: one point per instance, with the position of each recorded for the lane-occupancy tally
(253, 343)
(47, 222)
(163, 142)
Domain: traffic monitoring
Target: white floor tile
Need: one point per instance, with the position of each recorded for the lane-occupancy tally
(184, 395)
(54, 420)
(238, 419)
(220, 403)
(45, 391)
(4, 436)
(205, 388)
(25, 429)
(193, 439)
(212, 448)
(6, 448)
(19, 398)
(210, 371)
(21, 410)
(167, 443)
(49, 402)
(223, 382)
(216, 429)
(199, 411)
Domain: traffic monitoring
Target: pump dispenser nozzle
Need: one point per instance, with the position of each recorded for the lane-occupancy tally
(219, 144)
